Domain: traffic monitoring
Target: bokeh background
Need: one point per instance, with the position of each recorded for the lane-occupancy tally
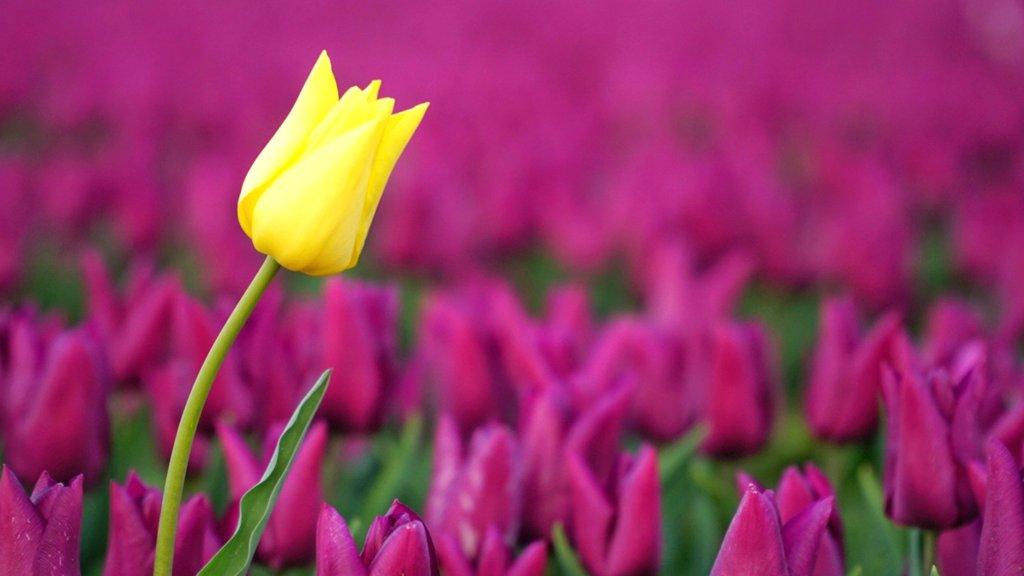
(663, 162)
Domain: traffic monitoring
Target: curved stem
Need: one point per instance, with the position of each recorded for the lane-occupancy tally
(178, 465)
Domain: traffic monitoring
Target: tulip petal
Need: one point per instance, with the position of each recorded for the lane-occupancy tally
(21, 528)
(406, 551)
(309, 216)
(753, 542)
(635, 542)
(591, 514)
(399, 130)
(318, 95)
(1002, 529)
(336, 553)
(802, 537)
(533, 561)
(450, 556)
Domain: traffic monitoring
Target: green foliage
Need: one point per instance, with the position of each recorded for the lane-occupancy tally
(234, 557)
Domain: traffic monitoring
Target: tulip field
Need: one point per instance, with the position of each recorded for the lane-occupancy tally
(512, 288)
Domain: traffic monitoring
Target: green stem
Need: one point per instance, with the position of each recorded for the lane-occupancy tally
(914, 552)
(929, 551)
(178, 465)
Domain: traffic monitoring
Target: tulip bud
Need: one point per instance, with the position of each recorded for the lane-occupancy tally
(132, 328)
(40, 533)
(759, 542)
(616, 525)
(741, 388)
(932, 434)
(360, 340)
(547, 434)
(134, 515)
(289, 536)
(56, 407)
(841, 401)
(396, 543)
(478, 491)
(495, 558)
(461, 351)
(311, 194)
(800, 491)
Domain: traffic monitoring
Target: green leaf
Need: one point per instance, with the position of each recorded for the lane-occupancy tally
(564, 553)
(674, 456)
(857, 571)
(395, 470)
(256, 505)
(935, 570)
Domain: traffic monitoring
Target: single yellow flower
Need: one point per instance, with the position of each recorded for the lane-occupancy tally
(310, 196)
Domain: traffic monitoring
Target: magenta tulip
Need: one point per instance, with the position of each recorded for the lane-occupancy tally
(844, 385)
(932, 435)
(40, 533)
(1001, 552)
(615, 522)
(134, 514)
(759, 542)
(477, 490)
(740, 388)
(396, 543)
(55, 405)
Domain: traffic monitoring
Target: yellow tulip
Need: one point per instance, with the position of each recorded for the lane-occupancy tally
(311, 194)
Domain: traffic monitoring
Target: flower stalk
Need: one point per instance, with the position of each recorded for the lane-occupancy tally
(178, 465)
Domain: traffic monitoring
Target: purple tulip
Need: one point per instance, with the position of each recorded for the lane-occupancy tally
(133, 328)
(40, 534)
(134, 515)
(932, 435)
(547, 434)
(740, 390)
(360, 339)
(949, 326)
(477, 491)
(55, 405)
(461, 341)
(495, 558)
(290, 533)
(799, 491)
(759, 542)
(1001, 551)
(615, 521)
(841, 401)
(396, 543)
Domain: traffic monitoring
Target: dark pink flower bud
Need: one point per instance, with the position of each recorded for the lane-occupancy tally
(134, 516)
(397, 543)
(463, 361)
(476, 491)
(360, 339)
(758, 541)
(40, 534)
(56, 406)
(932, 435)
(1002, 528)
(950, 325)
(290, 533)
(616, 525)
(844, 384)
(741, 385)
(133, 327)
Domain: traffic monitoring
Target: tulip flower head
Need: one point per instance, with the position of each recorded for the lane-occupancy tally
(40, 533)
(396, 543)
(311, 194)
(134, 513)
(758, 541)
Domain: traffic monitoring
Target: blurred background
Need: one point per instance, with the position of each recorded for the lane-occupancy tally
(829, 143)
(667, 161)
